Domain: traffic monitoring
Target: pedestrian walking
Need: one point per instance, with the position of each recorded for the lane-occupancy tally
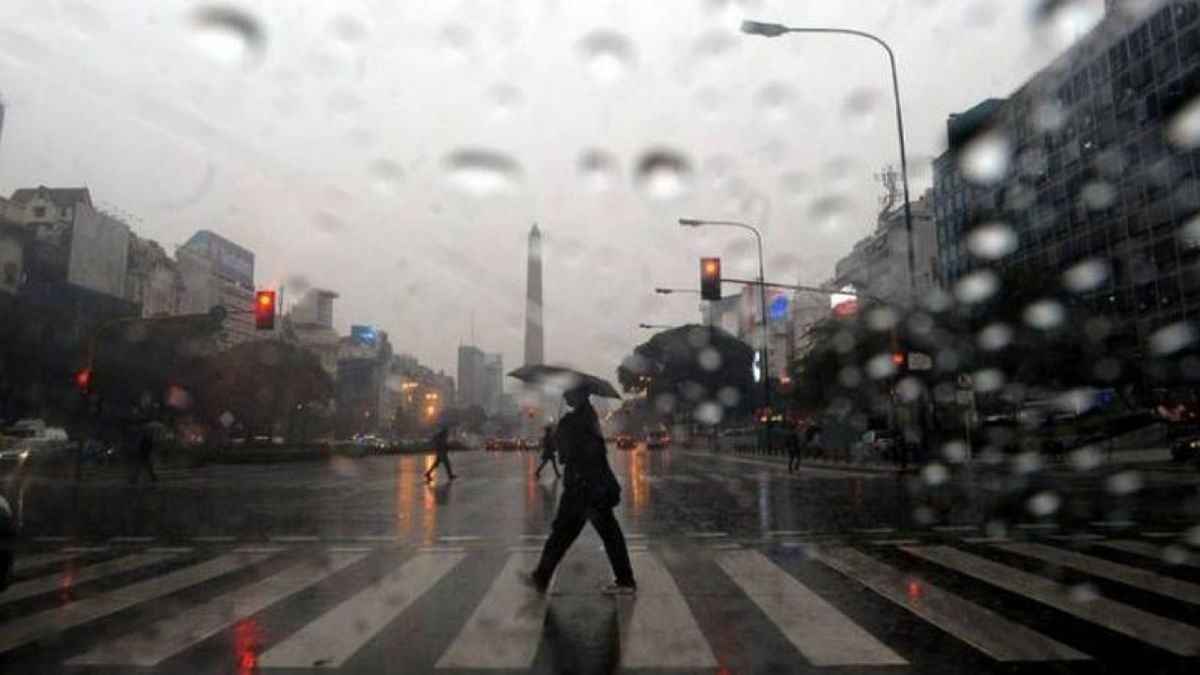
(441, 446)
(793, 449)
(143, 458)
(590, 493)
(813, 441)
(548, 453)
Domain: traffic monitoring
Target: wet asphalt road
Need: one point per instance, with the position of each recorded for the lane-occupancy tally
(358, 566)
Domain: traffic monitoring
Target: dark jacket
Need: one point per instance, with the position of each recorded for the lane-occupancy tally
(584, 455)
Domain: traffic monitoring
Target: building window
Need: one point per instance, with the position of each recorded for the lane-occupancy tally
(39, 212)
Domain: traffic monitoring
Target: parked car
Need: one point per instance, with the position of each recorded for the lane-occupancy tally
(31, 443)
(626, 442)
(657, 439)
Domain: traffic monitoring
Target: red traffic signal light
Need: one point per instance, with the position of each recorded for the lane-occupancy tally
(898, 359)
(264, 310)
(710, 278)
(83, 379)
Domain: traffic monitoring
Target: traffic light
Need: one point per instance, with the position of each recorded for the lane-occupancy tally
(83, 380)
(898, 359)
(264, 310)
(710, 278)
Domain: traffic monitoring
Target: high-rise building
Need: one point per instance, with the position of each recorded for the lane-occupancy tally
(152, 279)
(1094, 177)
(470, 368)
(877, 266)
(534, 346)
(216, 271)
(310, 324)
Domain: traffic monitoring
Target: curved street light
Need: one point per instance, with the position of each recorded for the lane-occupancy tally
(771, 30)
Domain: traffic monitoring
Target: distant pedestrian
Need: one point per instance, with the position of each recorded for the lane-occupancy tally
(813, 442)
(548, 453)
(793, 449)
(441, 446)
(143, 457)
(590, 493)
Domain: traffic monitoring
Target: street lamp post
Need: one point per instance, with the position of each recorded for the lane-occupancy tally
(776, 30)
(762, 291)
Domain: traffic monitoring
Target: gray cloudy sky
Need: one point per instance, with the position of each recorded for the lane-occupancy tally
(397, 152)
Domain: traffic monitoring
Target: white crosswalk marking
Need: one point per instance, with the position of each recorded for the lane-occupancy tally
(51, 622)
(1130, 576)
(28, 562)
(1146, 549)
(825, 636)
(657, 627)
(67, 579)
(506, 627)
(981, 628)
(168, 637)
(339, 633)
(1175, 637)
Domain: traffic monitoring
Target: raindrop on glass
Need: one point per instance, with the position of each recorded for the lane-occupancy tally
(1183, 130)
(1086, 458)
(1083, 593)
(976, 287)
(1098, 195)
(881, 366)
(608, 55)
(1189, 234)
(1044, 503)
(1059, 23)
(850, 377)
(597, 170)
(505, 98)
(987, 380)
(828, 212)
(774, 99)
(663, 175)
(709, 359)
(228, 36)
(1044, 314)
(729, 397)
(388, 175)
(935, 474)
(1170, 339)
(992, 241)
(995, 336)
(861, 106)
(794, 183)
(1049, 115)
(955, 451)
(909, 389)
(987, 158)
(709, 413)
(1086, 276)
(482, 173)
(1124, 483)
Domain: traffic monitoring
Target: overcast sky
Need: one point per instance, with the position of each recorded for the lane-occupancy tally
(398, 152)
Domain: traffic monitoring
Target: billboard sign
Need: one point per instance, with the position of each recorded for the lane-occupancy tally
(364, 335)
(229, 260)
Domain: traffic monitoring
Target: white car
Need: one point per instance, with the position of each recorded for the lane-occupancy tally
(30, 441)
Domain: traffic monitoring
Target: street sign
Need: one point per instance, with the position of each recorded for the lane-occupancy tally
(919, 361)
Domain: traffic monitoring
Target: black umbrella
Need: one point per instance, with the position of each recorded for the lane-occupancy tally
(564, 378)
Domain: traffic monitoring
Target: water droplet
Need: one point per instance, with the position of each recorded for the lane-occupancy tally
(1170, 339)
(1098, 195)
(506, 98)
(482, 172)
(1183, 130)
(1086, 276)
(935, 474)
(228, 36)
(663, 175)
(882, 318)
(909, 390)
(1174, 554)
(1028, 462)
(995, 336)
(388, 175)
(597, 170)
(955, 451)
(608, 55)
(1124, 483)
(1086, 458)
(1044, 314)
(1083, 593)
(987, 158)
(1059, 23)
(1044, 503)
(881, 366)
(987, 380)
(992, 241)
(709, 359)
(775, 99)
(976, 287)
(794, 184)
(729, 397)
(861, 107)
(828, 212)
(713, 48)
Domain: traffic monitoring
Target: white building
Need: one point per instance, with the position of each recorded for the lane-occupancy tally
(878, 264)
(310, 322)
(216, 271)
(153, 279)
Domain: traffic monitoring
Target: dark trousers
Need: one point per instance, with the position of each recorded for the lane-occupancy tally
(573, 513)
(553, 465)
(443, 458)
(142, 462)
(793, 458)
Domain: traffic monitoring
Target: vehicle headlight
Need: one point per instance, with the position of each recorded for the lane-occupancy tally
(24, 455)
(1194, 444)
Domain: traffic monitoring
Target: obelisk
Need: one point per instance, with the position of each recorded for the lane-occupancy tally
(534, 347)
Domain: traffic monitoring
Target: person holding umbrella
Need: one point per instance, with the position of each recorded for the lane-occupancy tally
(441, 446)
(590, 490)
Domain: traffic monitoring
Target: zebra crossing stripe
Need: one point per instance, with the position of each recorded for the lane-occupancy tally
(52, 622)
(339, 633)
(28, 562)
(1175, 637)
(1148, 550)
(1130, 576)
(657, 627)
(506, 626)
(149, 646)
(981, 628)
(825, 636)
(66, 579)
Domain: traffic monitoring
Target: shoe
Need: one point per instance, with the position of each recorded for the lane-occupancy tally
(614, 588)
(528, 580)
